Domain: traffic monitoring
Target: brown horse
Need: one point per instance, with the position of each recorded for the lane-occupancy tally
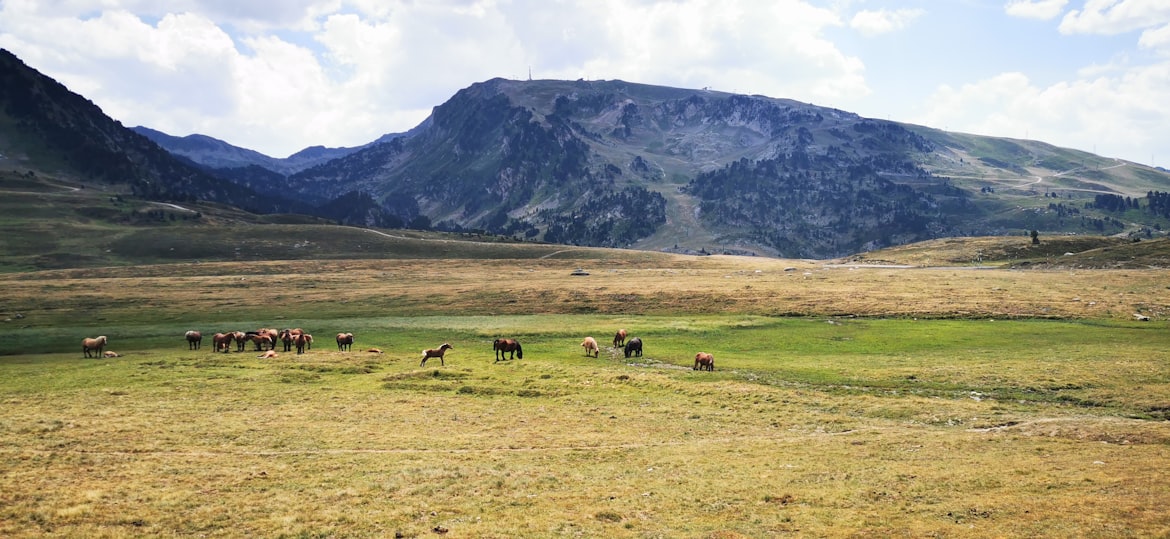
(93, 345)
(619, 339)
(301, 341)
(272, 334)
(286, 337)
(344, 341)
(241, 340)
(194, 339)
(223, 341)
(590, 345)
(507, 346)
(704, 362)
(435, 352)
(263, 341)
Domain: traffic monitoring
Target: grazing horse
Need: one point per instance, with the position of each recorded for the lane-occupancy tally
(619, 338)
(223, 341)
(590, 345)
(194, 339)
(344, 341)
(435, 352)
(301, 341)
(503, 346)
(263, 341)
(93, 345)
(704, 362)
(634, 346)
(308, 340)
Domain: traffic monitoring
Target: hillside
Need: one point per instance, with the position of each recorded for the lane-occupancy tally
(613, 164)
(619, 164)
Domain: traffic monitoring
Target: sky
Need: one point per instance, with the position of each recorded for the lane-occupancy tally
(278, 76)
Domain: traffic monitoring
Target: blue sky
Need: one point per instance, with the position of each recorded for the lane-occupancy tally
(280, 75)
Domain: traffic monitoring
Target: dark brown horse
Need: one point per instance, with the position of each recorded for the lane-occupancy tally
(508, 346)
(286, 337)
(634, 346)
(194, 339)
(435, 352)
(619, 339)
(704, 362)
(344, 341)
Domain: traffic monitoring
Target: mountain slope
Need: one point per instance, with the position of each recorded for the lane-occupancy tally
(614, 163)
(43, 123)
(217, 154)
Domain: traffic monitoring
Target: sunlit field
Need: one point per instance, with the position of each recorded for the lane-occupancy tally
(844, 402)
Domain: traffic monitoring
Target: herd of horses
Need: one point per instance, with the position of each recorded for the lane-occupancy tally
(265, 340)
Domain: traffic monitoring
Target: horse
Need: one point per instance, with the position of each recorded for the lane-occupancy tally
(94, 345)
(704, 362)
(286, 337)
(241, 340)
(261, 340)
(511, 346)
(435, 352)
(619, 338)
(344, 341)
(590, 345)
(111, 353)
(194, 339)
(268, 355)
(270, 332)
(223, 340)
(634, 346)
(301, 341)
(308, 340)
(375, 351)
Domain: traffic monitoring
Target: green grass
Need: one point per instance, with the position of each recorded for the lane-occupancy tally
(808, 426)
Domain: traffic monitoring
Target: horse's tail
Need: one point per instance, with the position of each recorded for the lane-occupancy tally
(519, 351)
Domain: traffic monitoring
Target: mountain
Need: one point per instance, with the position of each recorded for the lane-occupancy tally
(44, 124)
(614, 163)
(217, 154)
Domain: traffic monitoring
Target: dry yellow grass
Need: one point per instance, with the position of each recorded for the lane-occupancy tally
(1032, 435)
(688, 285)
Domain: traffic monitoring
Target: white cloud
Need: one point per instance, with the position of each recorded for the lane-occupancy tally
(1126, 115)
(280, 75)
(1035, 9)
(1111, 17)
(872, 23)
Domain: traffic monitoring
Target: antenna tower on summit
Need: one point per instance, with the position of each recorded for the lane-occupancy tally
(529, 73)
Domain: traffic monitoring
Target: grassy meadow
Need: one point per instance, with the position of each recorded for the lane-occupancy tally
(845, 402)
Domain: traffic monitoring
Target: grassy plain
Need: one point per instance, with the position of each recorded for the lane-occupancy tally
(845, 402)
